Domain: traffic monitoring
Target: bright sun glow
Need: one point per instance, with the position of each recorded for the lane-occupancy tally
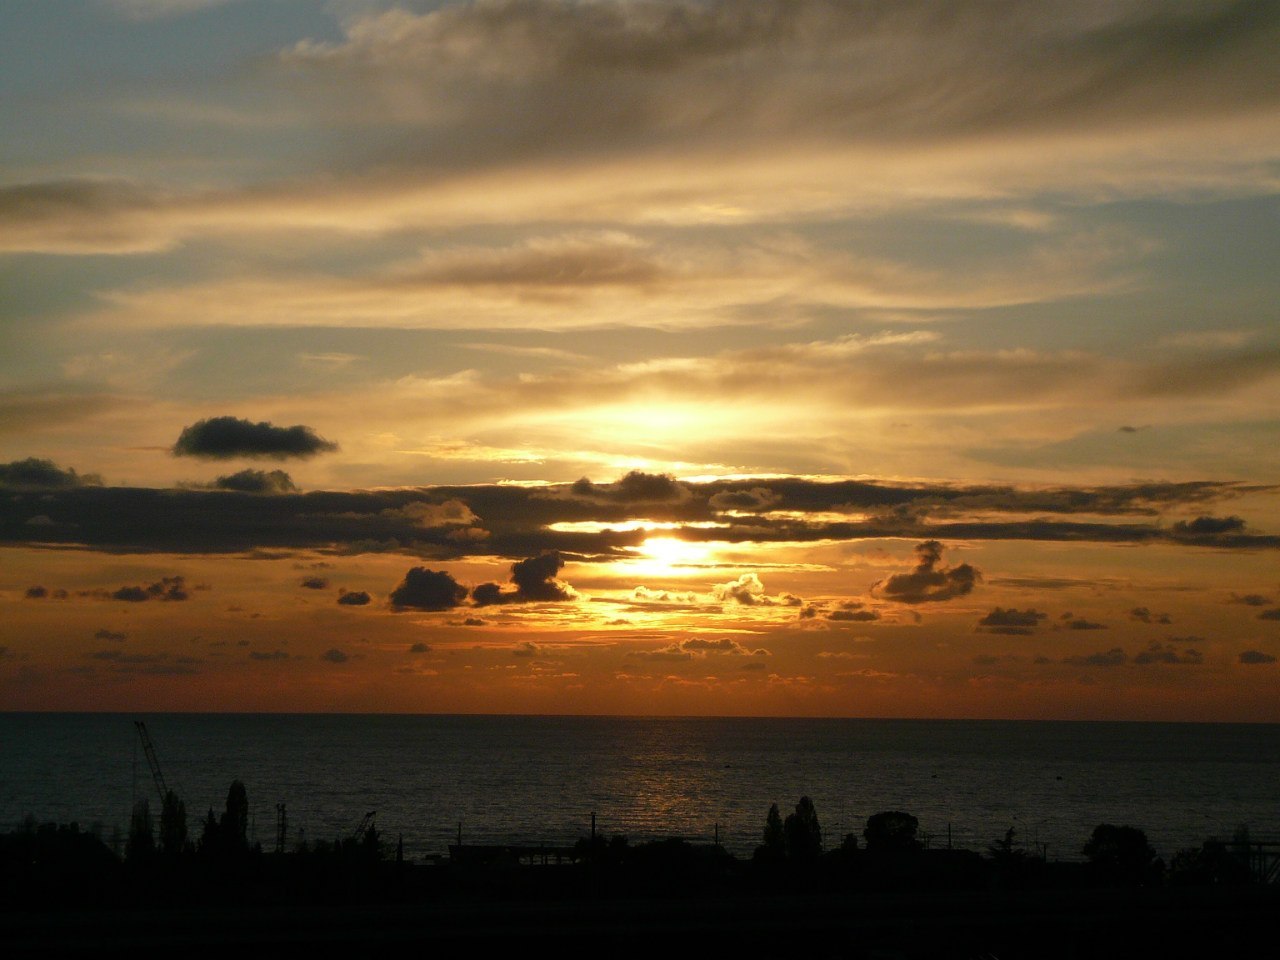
(663, 556)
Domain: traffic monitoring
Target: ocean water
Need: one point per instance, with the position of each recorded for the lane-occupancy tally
(534, 780)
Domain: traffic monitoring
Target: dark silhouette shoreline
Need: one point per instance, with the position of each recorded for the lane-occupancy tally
(884, 894)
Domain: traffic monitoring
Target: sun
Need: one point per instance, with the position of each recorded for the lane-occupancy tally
(668, 555)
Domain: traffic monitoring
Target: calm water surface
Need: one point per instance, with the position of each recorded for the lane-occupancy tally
(537, 779)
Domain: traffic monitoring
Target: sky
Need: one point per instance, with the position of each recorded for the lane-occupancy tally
(668, 357)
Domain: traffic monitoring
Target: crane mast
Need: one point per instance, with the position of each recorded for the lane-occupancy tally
(152, 762)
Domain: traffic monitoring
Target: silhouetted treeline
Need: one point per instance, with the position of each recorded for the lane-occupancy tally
(51, 866)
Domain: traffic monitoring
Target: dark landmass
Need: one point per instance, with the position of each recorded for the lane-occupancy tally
(63, 892)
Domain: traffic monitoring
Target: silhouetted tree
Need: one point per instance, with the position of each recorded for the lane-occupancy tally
(173, 825)
(209, 837)
(1006, 848)
(801, 832)
(891, 831)
(234, 826)
(774, 847)
(141, 844)
(1122, 855)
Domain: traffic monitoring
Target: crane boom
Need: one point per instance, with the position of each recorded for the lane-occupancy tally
(152, 762)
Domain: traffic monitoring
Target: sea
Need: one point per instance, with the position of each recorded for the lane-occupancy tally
(539, 780)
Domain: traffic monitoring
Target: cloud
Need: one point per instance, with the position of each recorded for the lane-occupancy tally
(257, 481)
(699, 647)
(420, 648)
(1270, 614)
(1079, 623)
(851, 611)
(315, 583)
(105, 634)
(268, 655)
(526, 649)
(1251, 599)
(1114, 657)
(41, 474)
(1144, 615)
(222, 438)
(753, 500)
(334, 655)
(354, 598)
(1166, 653)
(423, 589)
(747, 590)
(635, 487)
(429, 515)
(535, 580)
(432, 522)
(929, 582)
(1256, 657)
(645, 595)
(166, 588)
(1011, 622)
(1208, 528)
(552, 79)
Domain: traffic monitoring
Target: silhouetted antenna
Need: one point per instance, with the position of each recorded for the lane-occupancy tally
(282, 827)
(152, 762)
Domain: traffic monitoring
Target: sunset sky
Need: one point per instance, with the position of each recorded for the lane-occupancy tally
(732, 357)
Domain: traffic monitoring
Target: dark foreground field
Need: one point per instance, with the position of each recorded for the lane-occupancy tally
(1202, 922)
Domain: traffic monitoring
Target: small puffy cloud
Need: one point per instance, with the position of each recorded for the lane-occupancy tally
(105, 634)
(36, 593)
(221, 438)
(166, 588)
(1079, 623)
(315, 583)
(702, 647)
(636, 487)
(1250, 599)
(851, 611)
(1270, 614)
(535, 580)
(257, 481)
(644, 594)
(1144, 615)
(1115, 657)
(420, 648)
(334, 655)
(431, 516)
(1202, 527)
(423, 589)
(929, 581)
(526, 649)
(354, 598)
(1166, 653)
(1253, 657)
(268, 655)
(43, 474)
(747, 589)
(1011, 622)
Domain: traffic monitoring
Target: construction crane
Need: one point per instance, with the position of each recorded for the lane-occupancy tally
(366, 824)
(152, 762)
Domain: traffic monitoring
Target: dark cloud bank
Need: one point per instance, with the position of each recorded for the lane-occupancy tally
(47, 505)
